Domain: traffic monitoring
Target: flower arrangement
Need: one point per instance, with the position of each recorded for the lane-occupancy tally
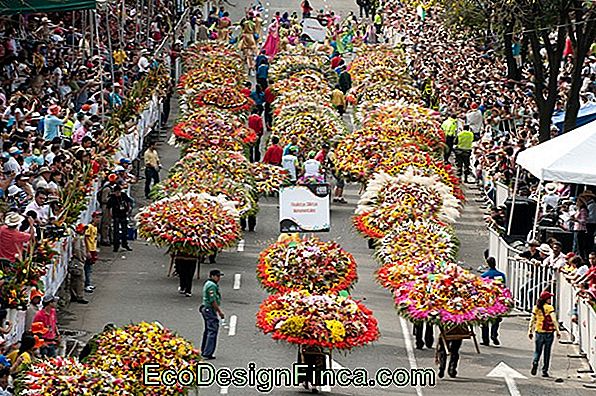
(301, 60)
(327, 321)
(311, 123)
(66, 376)
(230, 164)
(204, 133)
(424, 165)
(268, 178)
(306, 85)
(123, 352)
(451, 296)
(190, 224)
(389, 200)
(197, 55)
(226, 98)
(375, 57)
(416, 241)
(212, 72)
(308, 264)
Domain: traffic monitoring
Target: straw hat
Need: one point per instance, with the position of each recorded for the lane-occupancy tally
(550, 188)
(13, 219)
(544, 248)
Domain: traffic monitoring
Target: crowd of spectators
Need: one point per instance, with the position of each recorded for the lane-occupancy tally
(467, 79)
(61, 78)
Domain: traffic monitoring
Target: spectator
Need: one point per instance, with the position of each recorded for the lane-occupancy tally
(543, 326)
(12, 241)
(532, 253)
(76, 267)
(47, 316)
(91, 249)
(152, 167)
(556, 260)
(40, 207)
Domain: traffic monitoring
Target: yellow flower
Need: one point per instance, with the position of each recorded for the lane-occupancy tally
(337, 329)
(293, 326)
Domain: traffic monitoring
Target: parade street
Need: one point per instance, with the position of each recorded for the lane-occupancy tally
(134, 286)
(421, 174)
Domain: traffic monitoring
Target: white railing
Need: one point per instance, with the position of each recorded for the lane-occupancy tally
(527, 280)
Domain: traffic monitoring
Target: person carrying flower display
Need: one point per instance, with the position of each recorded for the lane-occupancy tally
(450, 342)
(498, 276)
(185, 268)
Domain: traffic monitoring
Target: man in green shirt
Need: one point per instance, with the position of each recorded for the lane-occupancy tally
(210, 309)
(463, 151)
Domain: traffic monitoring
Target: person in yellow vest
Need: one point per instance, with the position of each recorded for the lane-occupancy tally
(463, 151)
(449, 127)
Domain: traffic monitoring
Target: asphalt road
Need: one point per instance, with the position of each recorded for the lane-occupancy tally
(134, 287)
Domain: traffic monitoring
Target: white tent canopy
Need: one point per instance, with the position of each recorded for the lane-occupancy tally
(569, 158)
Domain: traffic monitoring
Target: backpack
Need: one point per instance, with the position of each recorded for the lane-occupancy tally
(548, 326)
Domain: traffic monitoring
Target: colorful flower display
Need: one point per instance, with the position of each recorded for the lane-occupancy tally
(301, 60)
(190, 224)
(204, 133)
(308, 264)
(311, 123)
(327, 321)
(230, 164)
(268, 178)
(123, 352)
(226, 98)
(416, 241)
(451, 295)
(60, 376)
(424, 165)
(390, 200)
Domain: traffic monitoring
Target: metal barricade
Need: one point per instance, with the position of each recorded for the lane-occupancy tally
(527, 280)
(587, 331)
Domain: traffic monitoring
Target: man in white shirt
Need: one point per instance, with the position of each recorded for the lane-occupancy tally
(312, 167)
(143, 63)
(475, 119)
(40, 207)
(556, 260)
(12, 164)
(290, 163)
(550, 199)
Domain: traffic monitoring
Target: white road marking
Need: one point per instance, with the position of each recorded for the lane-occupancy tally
(233, 320)
(237, 278)
(409, 349)
(224, 390)
(504, 371)
(241, 245)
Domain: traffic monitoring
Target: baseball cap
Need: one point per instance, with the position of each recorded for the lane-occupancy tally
(50, 298)
(545, 294)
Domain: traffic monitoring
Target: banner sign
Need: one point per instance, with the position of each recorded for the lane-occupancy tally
(304, 208)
